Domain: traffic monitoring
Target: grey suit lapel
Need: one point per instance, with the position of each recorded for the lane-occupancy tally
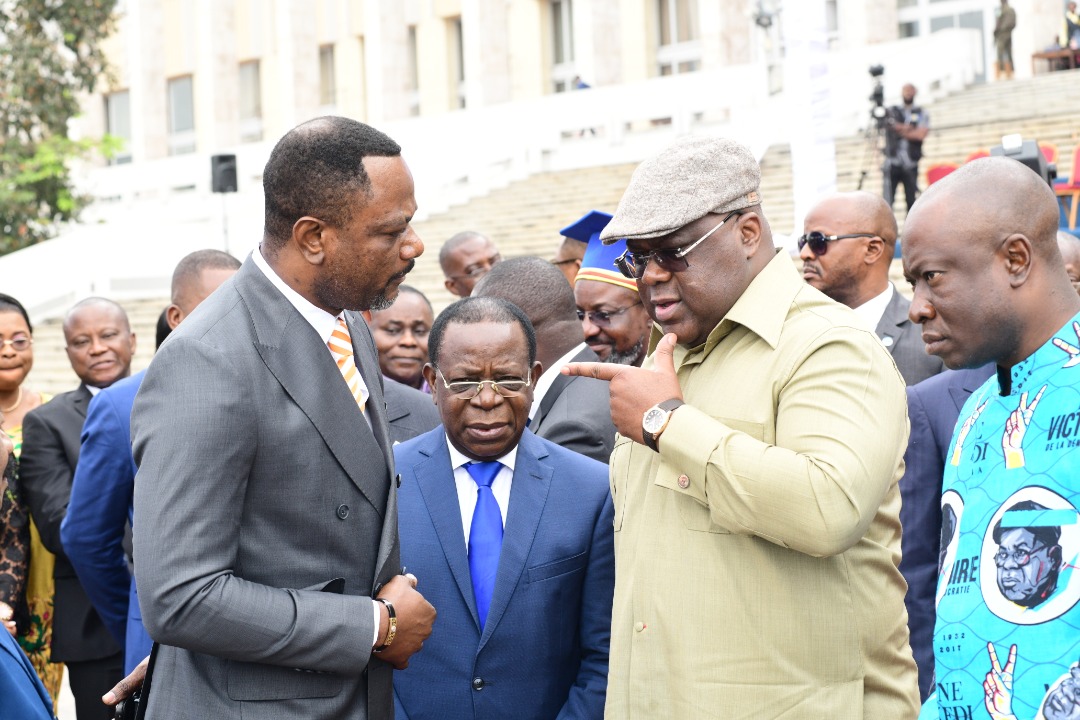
(893, 321)
(435, 478)
(528, 495)
(557, 387)
(307, 372)
(80, 400)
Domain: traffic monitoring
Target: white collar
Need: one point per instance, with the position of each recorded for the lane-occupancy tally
(543, 383)
(323, 322)
(870, 312)
(457, 459)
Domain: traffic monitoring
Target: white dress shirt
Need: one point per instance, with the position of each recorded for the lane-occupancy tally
(543, 384)
(324, 324)
(870, 312)
(467, 487)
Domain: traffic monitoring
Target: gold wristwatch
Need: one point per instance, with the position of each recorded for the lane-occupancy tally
(655, 420)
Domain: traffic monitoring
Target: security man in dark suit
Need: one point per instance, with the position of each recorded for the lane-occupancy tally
(846, 248)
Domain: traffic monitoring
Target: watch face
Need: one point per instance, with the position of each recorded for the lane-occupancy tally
(654, 420)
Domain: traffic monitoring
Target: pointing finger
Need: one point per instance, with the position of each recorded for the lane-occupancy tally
(600, 371)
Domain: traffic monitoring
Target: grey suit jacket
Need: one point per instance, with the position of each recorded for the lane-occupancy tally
(259, 484)
(409, 411)
(576, 413)
(904, 340)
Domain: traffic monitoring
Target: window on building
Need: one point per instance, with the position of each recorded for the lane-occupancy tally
(327, 87)
(250, 102)
(906, 3)
(181, 116)
(679, 48)
(118, 124)
(414, 71)
(562, 45)
(908, 29)
(457, 61)
(941, 23)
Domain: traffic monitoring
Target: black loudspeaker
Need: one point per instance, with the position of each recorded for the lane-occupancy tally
(223, 173)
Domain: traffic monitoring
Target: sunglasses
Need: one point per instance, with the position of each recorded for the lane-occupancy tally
(633, 265)
(819, 242)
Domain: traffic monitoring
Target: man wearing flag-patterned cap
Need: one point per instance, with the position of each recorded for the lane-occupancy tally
(615, 322)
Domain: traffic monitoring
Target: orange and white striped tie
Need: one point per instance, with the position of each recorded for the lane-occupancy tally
(340, 344)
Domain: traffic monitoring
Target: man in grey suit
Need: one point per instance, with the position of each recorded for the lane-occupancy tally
(267, 558)
(846, 248)
(409, 411)
(574, 412)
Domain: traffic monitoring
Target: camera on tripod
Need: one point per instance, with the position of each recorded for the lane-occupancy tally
(877, 96)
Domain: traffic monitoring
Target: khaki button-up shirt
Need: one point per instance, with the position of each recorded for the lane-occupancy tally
(757, 552)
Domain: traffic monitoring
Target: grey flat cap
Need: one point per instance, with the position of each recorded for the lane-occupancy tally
(691, 178)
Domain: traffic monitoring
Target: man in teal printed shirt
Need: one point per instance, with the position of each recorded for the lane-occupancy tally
(981, 253)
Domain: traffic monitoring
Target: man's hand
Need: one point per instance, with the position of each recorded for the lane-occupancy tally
(415, 616)
(127, 687)
(635, 390)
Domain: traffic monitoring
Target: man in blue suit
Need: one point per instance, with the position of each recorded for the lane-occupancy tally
(933, 407)
(511, 537)
(92, 532)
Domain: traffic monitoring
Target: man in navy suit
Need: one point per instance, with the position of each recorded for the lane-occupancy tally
(516, 554)
(933, 407)
(92, 532)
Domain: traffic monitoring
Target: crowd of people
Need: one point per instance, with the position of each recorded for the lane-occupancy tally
(663, 474)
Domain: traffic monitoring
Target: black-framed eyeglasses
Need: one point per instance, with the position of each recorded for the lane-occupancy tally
(468, 389)
(1020, 557)
(819, 242)
(602, 318)
(633, 265)
(18, 344)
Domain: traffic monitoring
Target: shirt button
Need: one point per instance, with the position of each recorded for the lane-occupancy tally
(478, 683)
(639, 626)
(343, 511)
(684, 482)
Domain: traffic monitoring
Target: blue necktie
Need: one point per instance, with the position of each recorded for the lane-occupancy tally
(485, 536)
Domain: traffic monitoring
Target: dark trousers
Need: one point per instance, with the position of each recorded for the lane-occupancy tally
(89, 680)
(894, 175)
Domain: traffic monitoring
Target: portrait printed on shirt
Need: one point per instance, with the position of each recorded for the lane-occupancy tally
(1032, 542)
(952, 509)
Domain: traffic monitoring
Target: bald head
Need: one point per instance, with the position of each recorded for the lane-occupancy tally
(465, 258)
(195, 278)
(540, 290)
(980, 249)
(854, 267)
(99, 341)
(999, 196)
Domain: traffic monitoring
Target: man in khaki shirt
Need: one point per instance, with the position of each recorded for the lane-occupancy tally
(755, 477)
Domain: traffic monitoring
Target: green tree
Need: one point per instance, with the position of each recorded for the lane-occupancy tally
(50, 52)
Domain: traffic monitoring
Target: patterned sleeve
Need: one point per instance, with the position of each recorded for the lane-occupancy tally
(14, 541)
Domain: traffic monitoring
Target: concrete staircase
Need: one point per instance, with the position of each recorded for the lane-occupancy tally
(524, 218)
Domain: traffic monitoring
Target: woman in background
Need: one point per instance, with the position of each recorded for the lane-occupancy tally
(31, 602)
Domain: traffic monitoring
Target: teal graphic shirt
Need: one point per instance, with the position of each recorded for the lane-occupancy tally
(1007, 639)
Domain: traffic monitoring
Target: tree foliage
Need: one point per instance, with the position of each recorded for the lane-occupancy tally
(50, 52)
